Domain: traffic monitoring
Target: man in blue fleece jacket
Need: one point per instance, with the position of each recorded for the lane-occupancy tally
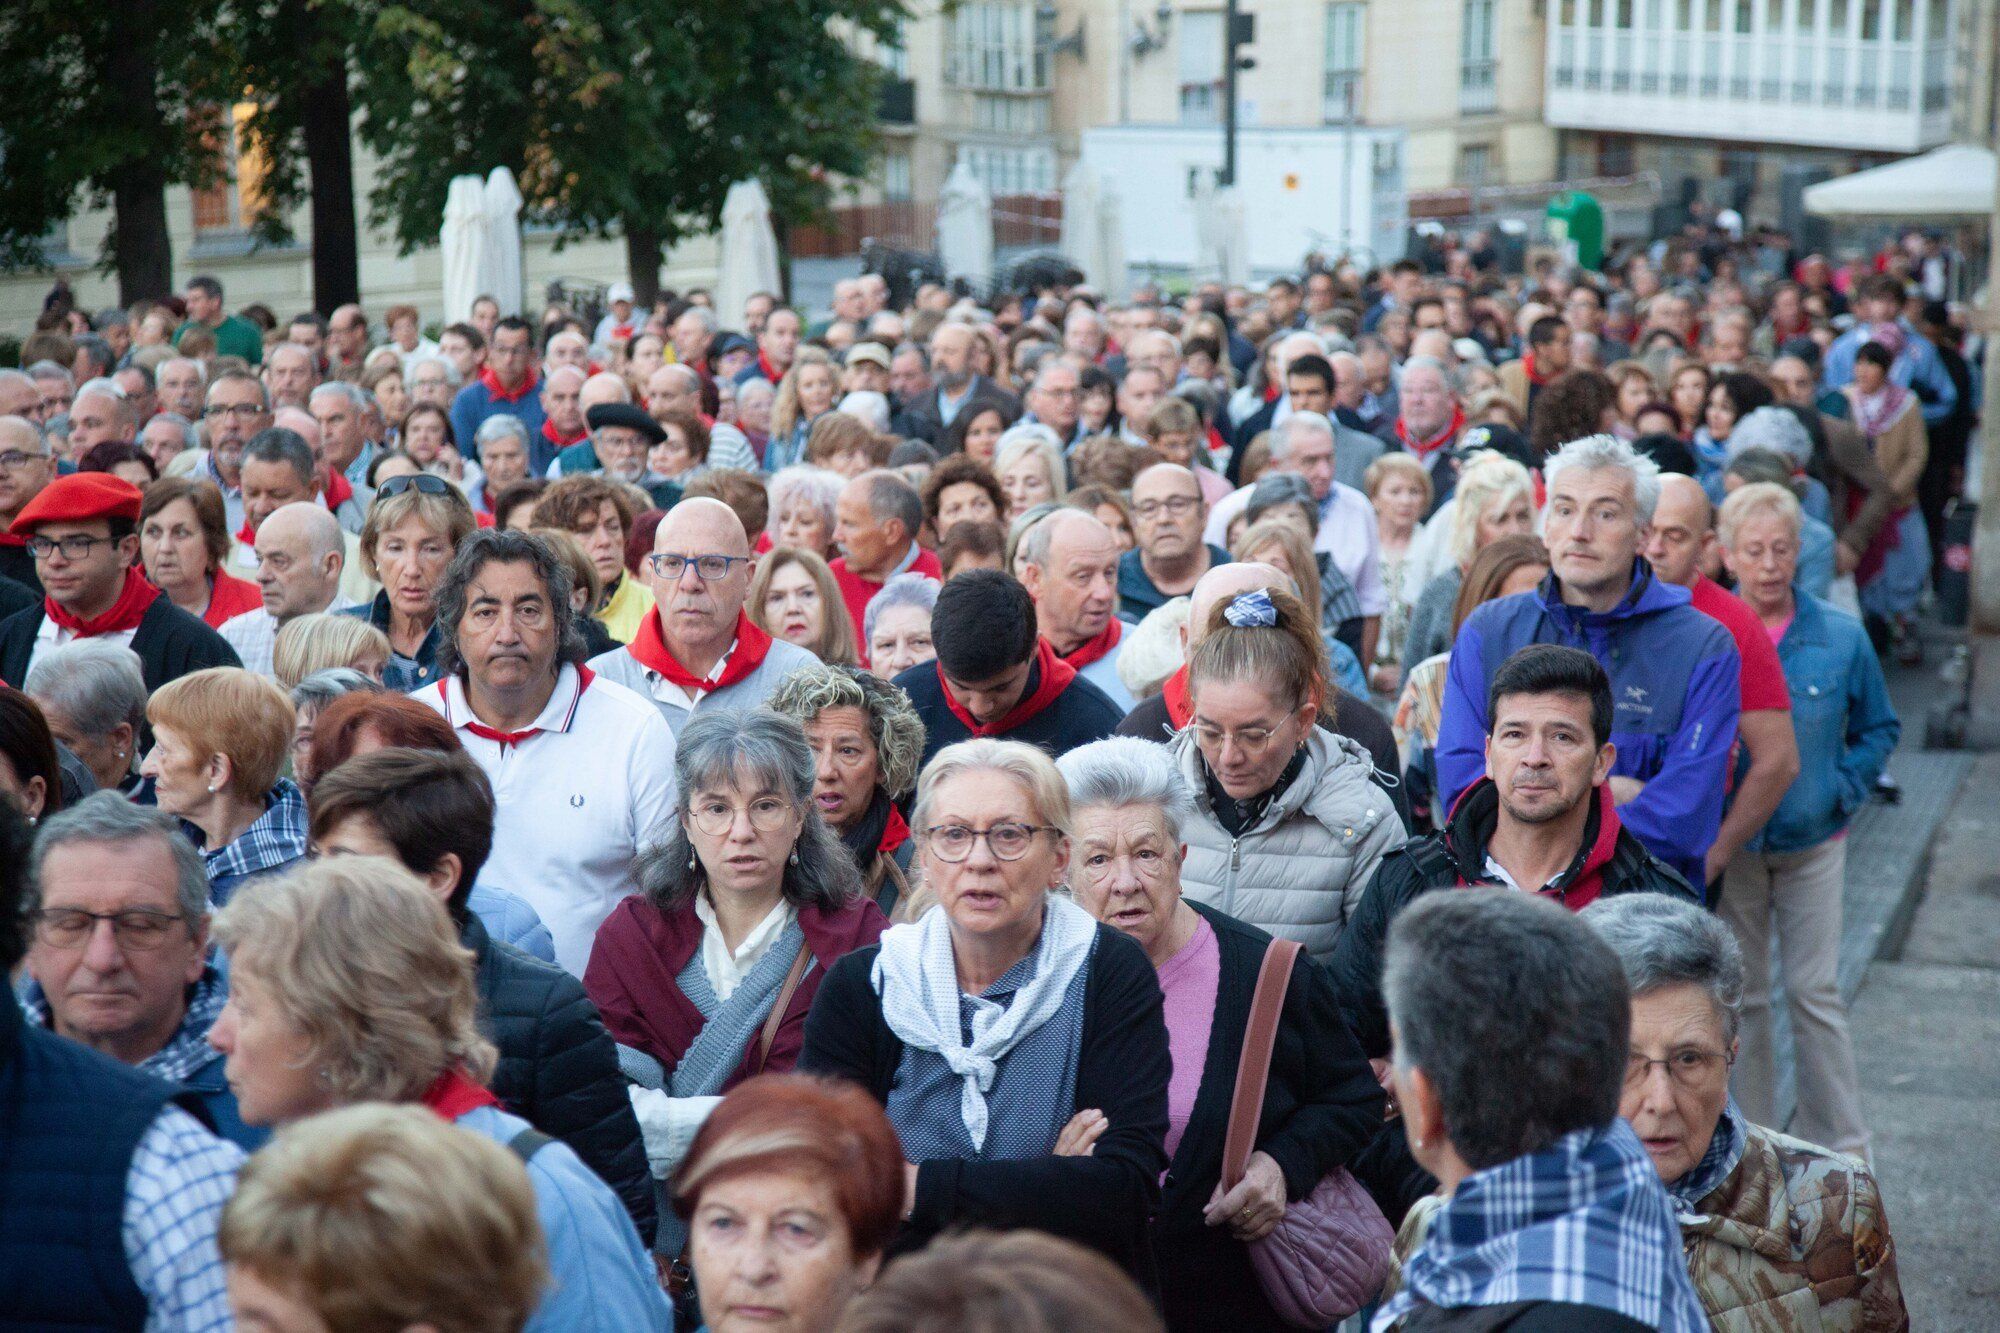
(1673, 670)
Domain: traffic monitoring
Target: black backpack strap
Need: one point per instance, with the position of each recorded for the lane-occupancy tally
(527, 1143)
(1432, 860)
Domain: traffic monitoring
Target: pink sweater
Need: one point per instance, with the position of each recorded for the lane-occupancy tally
(1189, 981)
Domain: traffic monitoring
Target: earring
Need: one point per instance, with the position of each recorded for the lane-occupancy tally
(795, 853)
(691, 859)
(211, 789)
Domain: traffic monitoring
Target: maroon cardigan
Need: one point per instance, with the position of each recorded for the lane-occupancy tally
(640, 951)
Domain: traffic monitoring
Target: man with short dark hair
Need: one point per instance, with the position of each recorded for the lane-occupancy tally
(777, 343)
(308, 330)
(1542, 821)
(506, 383)
(238, 408)
(995, 675)
(135, 982)
(582, 768)
(279, 469)
(1523, 379)
(234, 335)
(82, 531)
(876, 521)
(432, 811)
(1399, 293)
(108, 1171)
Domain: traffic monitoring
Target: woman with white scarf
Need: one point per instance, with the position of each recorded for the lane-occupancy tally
(1006, 1024)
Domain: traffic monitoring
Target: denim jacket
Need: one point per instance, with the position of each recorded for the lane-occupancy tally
(1844, 722)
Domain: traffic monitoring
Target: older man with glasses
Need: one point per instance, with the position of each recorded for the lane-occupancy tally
(1168, 513)
(238, 409)
(26, 466)
(696, 650)
(119, 958)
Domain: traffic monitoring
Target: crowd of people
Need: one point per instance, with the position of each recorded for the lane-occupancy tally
(927, 818)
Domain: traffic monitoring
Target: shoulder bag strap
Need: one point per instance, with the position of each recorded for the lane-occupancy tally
(1253, 1067)
(782, 1003)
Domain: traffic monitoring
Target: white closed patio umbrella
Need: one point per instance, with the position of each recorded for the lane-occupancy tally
(501, 272)
(1093, 235)
(1221, 249)
(1955, 181)
(462, 239)
(965, 227)
(749, 260)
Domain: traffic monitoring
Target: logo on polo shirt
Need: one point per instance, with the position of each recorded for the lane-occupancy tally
(576, 801)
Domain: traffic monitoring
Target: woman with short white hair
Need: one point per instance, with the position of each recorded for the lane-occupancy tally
(1322, 1104)
(94, 696)
(986, 1025)
(801, 511)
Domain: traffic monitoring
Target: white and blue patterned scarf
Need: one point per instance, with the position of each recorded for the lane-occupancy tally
(918, 981)
(718, 1049)
(1725, 1151)
(186, 1051)
(1583, 1222)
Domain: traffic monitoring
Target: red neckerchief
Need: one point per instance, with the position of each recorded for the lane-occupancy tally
(1093, 649)
(1056, 676)
(500, 393)
(247, 534)
(339, 490)
(1426, 447)
(549, 434)
(1273, 391)
(1528, 365)
(584, 675)
(622, 331)
(1174, 694)
(134, 599)
(649, 646)
(894, 833)
(452, 1095)
(764, 364)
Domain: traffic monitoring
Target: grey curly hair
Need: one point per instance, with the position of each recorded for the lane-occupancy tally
(892, 722)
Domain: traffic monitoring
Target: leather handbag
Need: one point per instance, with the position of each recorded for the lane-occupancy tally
(1329, 1256)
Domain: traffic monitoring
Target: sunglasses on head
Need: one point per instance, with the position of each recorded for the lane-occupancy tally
(422, 482)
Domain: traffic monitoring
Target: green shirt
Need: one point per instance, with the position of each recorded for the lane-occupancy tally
(234, 336)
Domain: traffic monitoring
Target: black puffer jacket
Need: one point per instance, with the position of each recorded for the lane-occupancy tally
(558, 1067)
(1610, 861)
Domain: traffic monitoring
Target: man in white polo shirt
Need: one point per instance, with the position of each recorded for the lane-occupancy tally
(582, 768)
(696, 650)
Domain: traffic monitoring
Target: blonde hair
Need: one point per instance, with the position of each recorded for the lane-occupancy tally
(1398, 465)
(785, 407)
(231, 712)
(1017, 442)
(315, 642)
(836, 628)
(1759, 497)
(378, 1218)
(1288, 659)
(363, 960)
(448, 515)
(1030, 768)
(1297, 547)
(1486, 478)
(582, 569)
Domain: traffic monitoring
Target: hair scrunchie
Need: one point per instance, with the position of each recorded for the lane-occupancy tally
(1252, 610)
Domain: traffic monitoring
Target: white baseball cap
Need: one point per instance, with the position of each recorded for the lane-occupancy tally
(619, 291)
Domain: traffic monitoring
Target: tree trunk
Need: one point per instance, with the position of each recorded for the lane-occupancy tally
(642, 262)
(141, 247)
(326, 118)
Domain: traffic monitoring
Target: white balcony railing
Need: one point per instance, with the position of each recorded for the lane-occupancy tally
(1871, 75)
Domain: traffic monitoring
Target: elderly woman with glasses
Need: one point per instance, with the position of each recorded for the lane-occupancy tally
(1323, 1103)
(348, 984)
(744, 907)
(866, 741)
(409, 537)
(1780, 1234)
(989, 1023)
(93, 693)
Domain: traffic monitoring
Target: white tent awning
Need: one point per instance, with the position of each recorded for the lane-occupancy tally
(1955, 181)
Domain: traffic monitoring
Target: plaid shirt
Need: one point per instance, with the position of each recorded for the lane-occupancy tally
(277, 839)
(181, 1177)
(185, 1052)
(1583, 1222)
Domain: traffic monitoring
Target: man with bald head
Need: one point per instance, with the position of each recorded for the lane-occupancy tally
(562, 408)
(601, 388)
(301, 554)
(696, 650)
(1168, 514)
(1345, 714)
(1681, 547)
(26, 466)
(1069, 565)
(99, 414)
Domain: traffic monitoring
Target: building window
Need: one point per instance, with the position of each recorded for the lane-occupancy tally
(896, 176)
(232, 203)
(1477, 63)
(1010, 115)
(1201, 67)
(1006, 171)
(1346, 49)
(1475, 165)
(996, 46)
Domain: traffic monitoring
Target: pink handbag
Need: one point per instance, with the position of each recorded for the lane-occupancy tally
(1329, 1256)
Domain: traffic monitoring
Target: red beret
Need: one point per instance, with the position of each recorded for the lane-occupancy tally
(78, 498)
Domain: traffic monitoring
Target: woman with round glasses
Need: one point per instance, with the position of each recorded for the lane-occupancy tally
(742, 909)
(988, 1024)
(410, 535)
(1780, 1233)
(1289, 824)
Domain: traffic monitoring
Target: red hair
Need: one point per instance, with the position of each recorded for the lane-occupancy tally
(799, 1124)
(394, 720)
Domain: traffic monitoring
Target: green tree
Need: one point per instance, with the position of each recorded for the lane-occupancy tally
(107, 106)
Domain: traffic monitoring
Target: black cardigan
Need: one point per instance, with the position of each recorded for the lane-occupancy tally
(1105, 1200)
(1321, 1106)
(170, 643)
